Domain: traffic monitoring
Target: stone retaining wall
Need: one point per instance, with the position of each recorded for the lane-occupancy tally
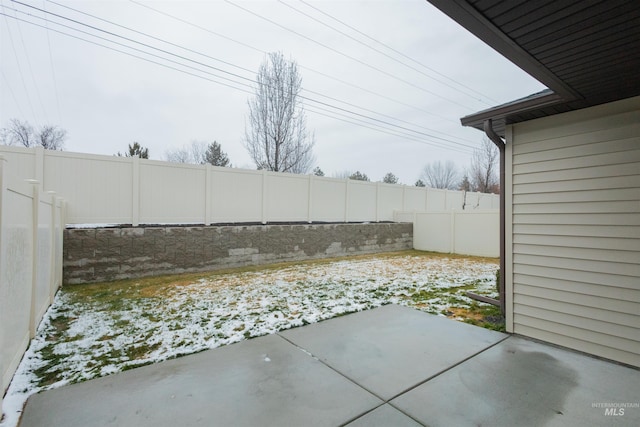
(103, 254)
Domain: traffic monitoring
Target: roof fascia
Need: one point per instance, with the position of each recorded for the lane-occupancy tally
(502, 111)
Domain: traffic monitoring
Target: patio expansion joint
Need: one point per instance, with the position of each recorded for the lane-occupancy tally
(382, 399)
(446, 370)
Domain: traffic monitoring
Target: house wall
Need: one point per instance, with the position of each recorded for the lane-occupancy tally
(573, 227)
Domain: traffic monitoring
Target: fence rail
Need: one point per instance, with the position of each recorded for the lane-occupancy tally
(122, 190)
(31, 229)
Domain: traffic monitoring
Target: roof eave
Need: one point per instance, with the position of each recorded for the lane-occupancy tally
(533, 102)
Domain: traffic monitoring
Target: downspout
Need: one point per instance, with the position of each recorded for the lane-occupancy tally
(495, 138)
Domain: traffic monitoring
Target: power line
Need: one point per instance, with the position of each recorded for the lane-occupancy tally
(200, 76)
(345, 55)
(24, 85)
(399, 52)
(382, 53)
(217, 69)
(385, 122)
(53, 71)
(134, 41)
(225, 62)
(379, 128)
(33, 79)
(153, 37)
(374, 112)
(124, 52)
(388, 98)
(202, 71)
(13, 95)
(299, 65)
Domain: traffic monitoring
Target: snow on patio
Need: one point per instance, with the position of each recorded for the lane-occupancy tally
(95, 330)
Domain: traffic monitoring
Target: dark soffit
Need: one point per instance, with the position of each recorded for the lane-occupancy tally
(587, 52)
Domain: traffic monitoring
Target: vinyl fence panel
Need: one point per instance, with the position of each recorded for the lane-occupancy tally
(171, 193)
(124, 190)
(390, 197)
(236, 195)
(287, 197)
(16, 274)
(436, 200)
(415, 199)
(98, 189)
(328, 199)
(362, 201)
(31, 227)
(465, 233)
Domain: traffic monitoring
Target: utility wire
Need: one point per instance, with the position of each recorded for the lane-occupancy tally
(125, 52)
(299, 65)
(13, 95)
(33, 79)
(398, 52)
(386, 123)
(208, 79)
(153, 37)
(15, 53)
(134, 41)
(375, 112)
(227, 63)
(53, 70)
(205, 65)
(345, 55)
(218, 69)
(379, 128)
(383, 53)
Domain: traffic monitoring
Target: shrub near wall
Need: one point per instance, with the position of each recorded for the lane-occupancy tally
(103, 254)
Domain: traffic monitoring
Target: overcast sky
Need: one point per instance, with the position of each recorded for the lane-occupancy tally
(391, 62)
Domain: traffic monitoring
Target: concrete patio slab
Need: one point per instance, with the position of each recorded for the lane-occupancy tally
(438, 371)
(264, 381)
(384, 416)
(392, 348)
(522, 382)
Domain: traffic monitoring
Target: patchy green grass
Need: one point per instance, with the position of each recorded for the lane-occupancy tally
(97, 329)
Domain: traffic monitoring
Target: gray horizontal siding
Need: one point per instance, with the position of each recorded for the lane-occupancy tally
(575, 223)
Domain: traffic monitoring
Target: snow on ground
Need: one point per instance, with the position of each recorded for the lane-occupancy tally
(92, 331)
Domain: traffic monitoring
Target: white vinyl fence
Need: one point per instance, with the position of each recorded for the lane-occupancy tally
(460, 232)
(31, 227)
(123, 190)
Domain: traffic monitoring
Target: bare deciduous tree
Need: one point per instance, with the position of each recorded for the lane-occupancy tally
(194, 153)
(483, 172)
(440, 175)
(51, 137)
(18, 133)
(276, 135)
(22, 133)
